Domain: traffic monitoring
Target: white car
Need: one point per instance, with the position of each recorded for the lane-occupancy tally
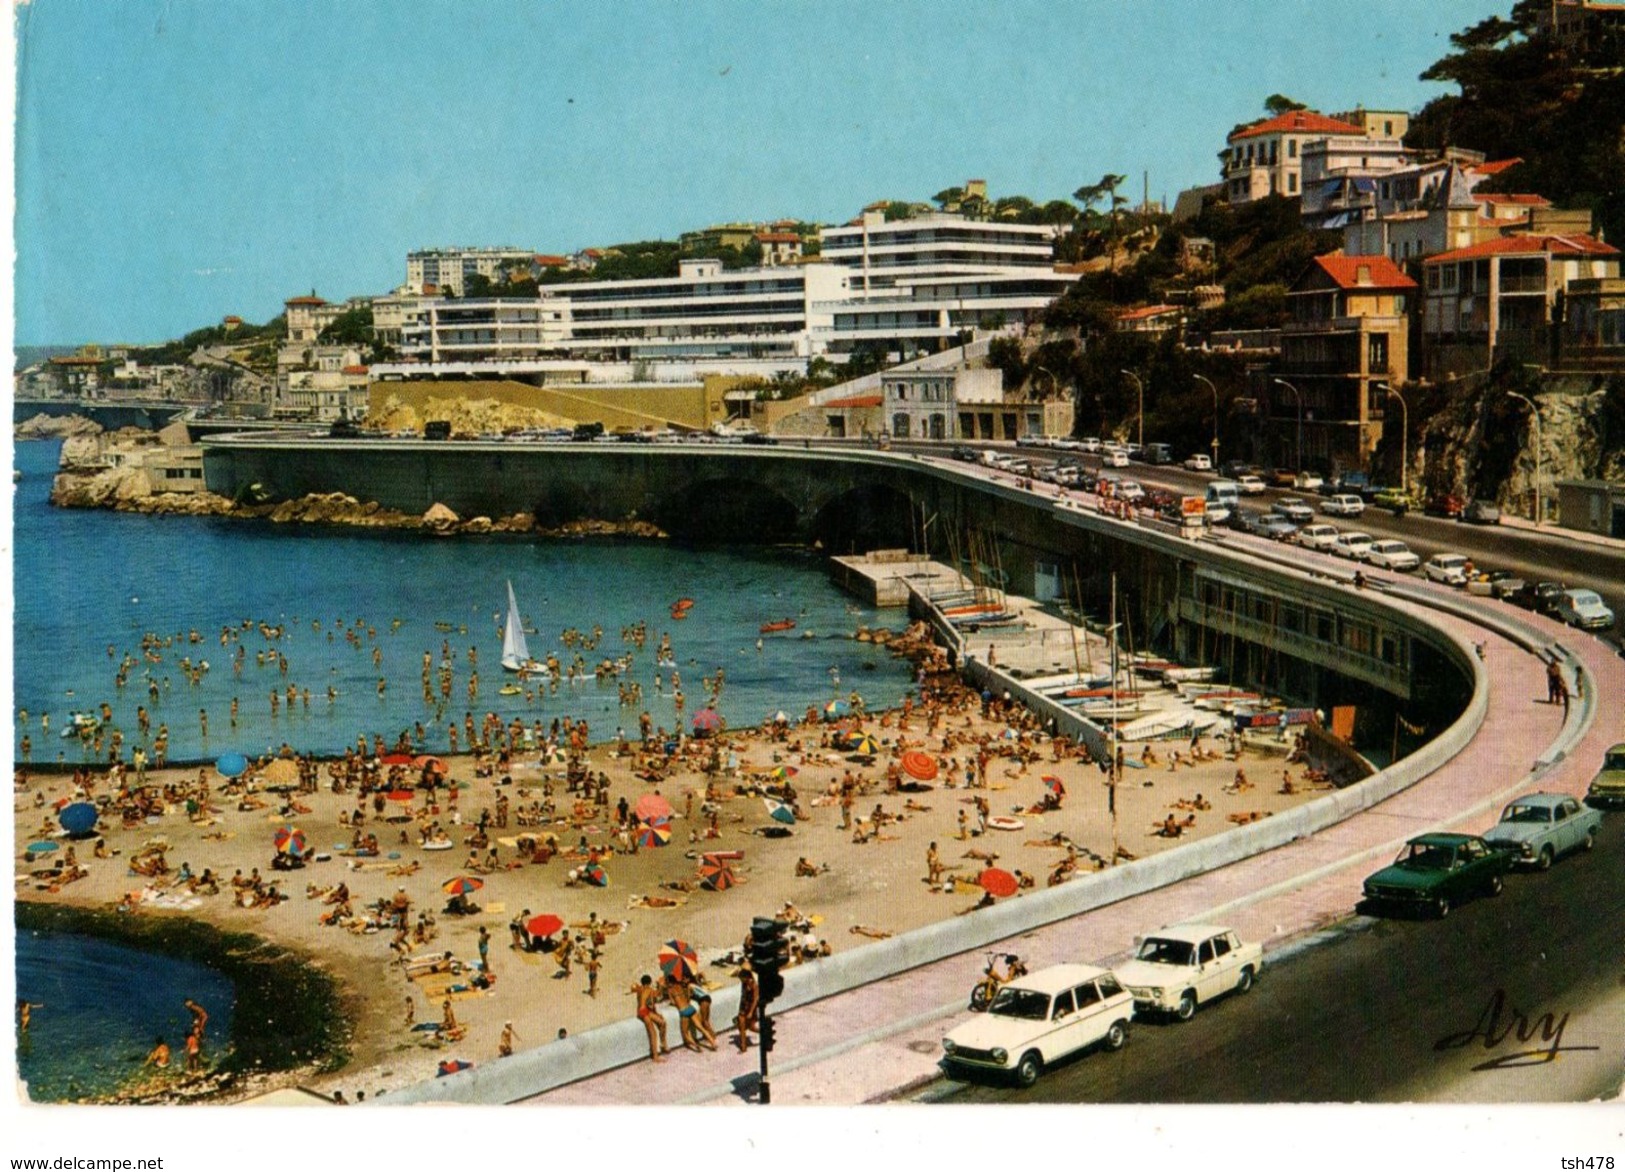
(1089, 443)
(1037, 1020)
(1178, 968)
(1583, 609)
(1130, 490)
(1307, 482)
(1391, 555)
(1199, 463)
(1352, 545)
(1449, 568)
(1116, 458)
(1344, 504)
(1294, 509)
(1250, 485)
(1316, 536)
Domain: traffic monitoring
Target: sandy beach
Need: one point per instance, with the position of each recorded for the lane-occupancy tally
(854, 888)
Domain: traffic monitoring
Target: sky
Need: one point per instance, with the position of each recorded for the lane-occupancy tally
(180, 161)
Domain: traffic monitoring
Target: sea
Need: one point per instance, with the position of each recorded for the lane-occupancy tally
(93, 588)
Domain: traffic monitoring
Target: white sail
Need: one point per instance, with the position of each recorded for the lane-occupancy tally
(515, 652)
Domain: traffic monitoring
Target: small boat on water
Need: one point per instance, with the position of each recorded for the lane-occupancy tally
(775, 627)
(1188, 675)
(515, 651)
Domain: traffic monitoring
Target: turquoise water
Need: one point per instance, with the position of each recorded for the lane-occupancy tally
(88, 583)
(96, 1022)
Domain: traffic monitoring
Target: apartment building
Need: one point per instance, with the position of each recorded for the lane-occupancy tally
(446, 269)
(308, 316)
(1347, 333)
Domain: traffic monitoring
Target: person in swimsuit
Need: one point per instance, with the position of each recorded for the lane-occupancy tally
(653, 1022)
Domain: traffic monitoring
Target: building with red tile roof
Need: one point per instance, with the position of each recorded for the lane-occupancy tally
(1265, 158)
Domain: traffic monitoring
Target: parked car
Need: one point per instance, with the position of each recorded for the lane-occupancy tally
(1199, 463)
(1583, 609)
(1276, 527)
(967, 454)
(1439, 871)
(1294, 509)
(1396, 499)
(1248, 521)
(1116, 458)
(1235, 468)
(1449, 568)
(1608, 787)
(1030, 441)
(1494, 583)
(1131, 491)
(1391, 555)
(1090, 443)
(1352, 545)
(1317, 536)
(1307, 481)
(1250, 485)
(1036, 1020)
(1538, 827)
(1344, 504)
(1482, 512)
(1176, 969)
(1540, 597)
(1445, 504)
(1350, 482)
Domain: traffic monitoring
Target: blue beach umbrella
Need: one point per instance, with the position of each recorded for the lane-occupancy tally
(231, 765)
(780, 811)
(835, 709)
(79, 818)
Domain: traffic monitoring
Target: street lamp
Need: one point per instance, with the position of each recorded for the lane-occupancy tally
(1139, 388)
(1534, 414)
(1215, 391)
(1404, 437)
(1296, 394)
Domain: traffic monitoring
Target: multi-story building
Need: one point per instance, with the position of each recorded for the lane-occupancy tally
(308, 316)
(446, 269)
(1498, 296)
(1265, 158)
(1341, 173)
(1347, 333)
(779, 248)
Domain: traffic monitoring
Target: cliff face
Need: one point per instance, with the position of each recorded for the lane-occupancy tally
(56, 426)
(1480, 440)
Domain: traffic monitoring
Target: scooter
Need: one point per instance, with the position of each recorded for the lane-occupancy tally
(981, 996)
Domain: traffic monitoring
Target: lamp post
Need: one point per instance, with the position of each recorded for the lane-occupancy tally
(1404, 437)
(1534, 415)
(1298, 395)
(1139, 389)
(1215, 390)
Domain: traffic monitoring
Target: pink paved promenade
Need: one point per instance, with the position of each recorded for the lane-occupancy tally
(880, 1039)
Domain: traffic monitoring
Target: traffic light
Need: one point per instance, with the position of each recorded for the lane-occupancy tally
(769, 952)
(767, 1034)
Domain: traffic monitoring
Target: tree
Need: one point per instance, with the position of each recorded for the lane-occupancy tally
(1278, 104)
(948, 197)
(899, 210)
(353, 327)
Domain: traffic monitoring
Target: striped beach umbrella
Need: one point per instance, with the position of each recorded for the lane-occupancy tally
(462, 885)
(920, 766)
(1054, 785)
(780, 811)
(678, 959)
(863, 745)
(716, 875)
(595, 874)
(655, 833)
(290, 840)
(835, 709)
(707, 720)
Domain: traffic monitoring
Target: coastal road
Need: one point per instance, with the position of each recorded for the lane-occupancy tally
(1396, 1010)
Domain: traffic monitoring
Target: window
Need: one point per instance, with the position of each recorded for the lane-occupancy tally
(1205, 953)
(1291, 148)
(1063, 1006)
(1221, 945)
(1087, 995)
(1292, 183)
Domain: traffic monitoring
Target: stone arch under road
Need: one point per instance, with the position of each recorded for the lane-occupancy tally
(868, 516)
(727, 510)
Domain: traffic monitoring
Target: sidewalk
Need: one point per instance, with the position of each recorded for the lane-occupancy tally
(1577, 536)
(880, 1040)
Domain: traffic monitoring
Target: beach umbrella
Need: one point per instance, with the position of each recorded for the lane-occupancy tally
(290, 840)
(651, 807)
(863, 745)
(231, 764)
(997, 881)
(716, 875)
(678, 959)
(920, 766)
(404, 796)
(42, 847)
(78, 818)
(594, 874)
(707, 720)
(655, 833)
(783, 772)
(544, 925)
(432, 764)
(396, 759)
(835, 709)
(781, 717)
(462, 885)
(780, 811)
(1054, 785)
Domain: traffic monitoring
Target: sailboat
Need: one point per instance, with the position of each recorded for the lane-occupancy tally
(515, 652)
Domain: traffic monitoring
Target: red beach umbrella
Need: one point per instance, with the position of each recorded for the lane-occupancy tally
(432, 764)
(396, 758)
(656, 833)
(594, 874)
(462, 885)
(716, 875)
(920, 766)
(678, 959)
(707, 720)
(544, 925)
(404, 796)
(651, 807)
(998, 882)
(1055, 786)
(290, 840)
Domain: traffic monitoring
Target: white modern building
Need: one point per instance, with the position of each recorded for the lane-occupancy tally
(445, 269)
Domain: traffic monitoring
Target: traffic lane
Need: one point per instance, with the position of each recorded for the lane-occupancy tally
(1395, 1010)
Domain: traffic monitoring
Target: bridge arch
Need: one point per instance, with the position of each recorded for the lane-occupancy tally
(866, 516)
(729, 510)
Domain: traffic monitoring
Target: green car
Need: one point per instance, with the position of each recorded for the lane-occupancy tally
(1438, 871)
(1396, 499)
(1608, 787)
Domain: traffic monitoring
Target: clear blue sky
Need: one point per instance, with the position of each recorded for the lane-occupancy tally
(178, 161)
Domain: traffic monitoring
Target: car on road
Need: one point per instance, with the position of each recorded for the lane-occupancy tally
(1445, 504)
(1089, 443)
(1176, 969)
(1583, 609)
(1397, 500)
(1294, 509)
(1608, 787)
(1540, 597)
(967, 454)
(1494, 583)
(1250, 485)
(1317, 536)
(1131, 491)
(1308, 481)
(1538, 827)
(1276, 527)
(1198, 463)
(1039, 1019)
(1355, 483)
(1116, 458)
(1344, 504)
(1439, 871)
(1482, 512)
(1449, 568)
(1391, 555)
(1352, 545)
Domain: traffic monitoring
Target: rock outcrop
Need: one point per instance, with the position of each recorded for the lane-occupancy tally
(56, 427)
